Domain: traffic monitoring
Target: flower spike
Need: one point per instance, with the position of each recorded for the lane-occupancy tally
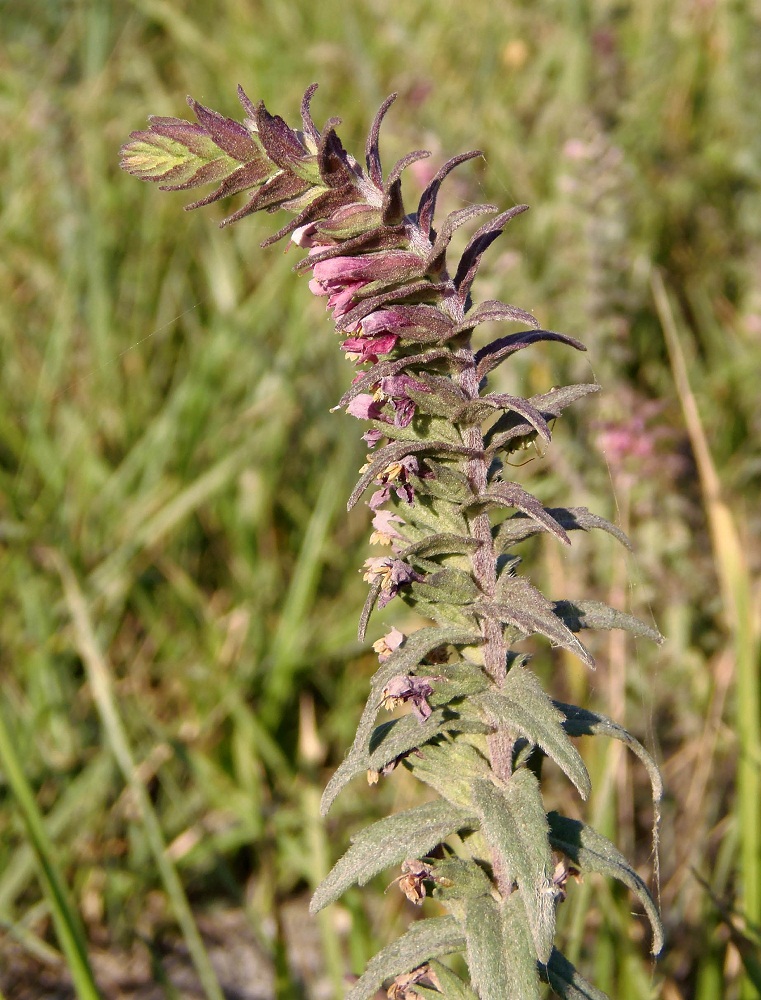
(473, 721)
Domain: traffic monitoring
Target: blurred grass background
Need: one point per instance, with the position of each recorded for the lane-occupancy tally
(179, 580)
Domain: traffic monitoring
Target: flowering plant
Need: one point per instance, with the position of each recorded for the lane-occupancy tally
(479, 724)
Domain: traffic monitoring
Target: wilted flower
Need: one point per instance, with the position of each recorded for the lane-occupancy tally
(386, 645)
(409, 688)
(392, 573)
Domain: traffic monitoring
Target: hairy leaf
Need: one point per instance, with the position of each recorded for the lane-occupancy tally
(450, 767)
(581, 722)
(424, 940)
(495, 352)
(519, 526)
(591, 852)
(459, 879)
(374, 749)
(566, 981)
(579, 615)
(514, 823)
(410, 834)
(487, 963)
(525, 607)
(522, 706)
(452, 586)
(513, 495)
(417, 646)
(452, 987)
(519, 951)
(509, 432)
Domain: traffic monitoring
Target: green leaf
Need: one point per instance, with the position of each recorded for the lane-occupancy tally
(375, 748)
(459, 879)
(522, 706)
(452, 987)
(410, 834)
(487, 963)
(417, 646)
(581, 722)
(446, 615)
(595, 614)
(591, 852)
(519, 526)
(450, 767)
(514, 822)
(528, 610)
(519, 950)
(453, 586)
(567, 983)
(441, 543)
(426, 939)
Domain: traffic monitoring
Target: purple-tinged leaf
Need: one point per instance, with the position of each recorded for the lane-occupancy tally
(392, 210)
(523, 407)
(417, 289)
(491, 355)
(493, 311)
(372, 155)
(394, 452)
(479, 243)
(512, 495)
(436, 258)
(427, 205)
(520, 526)
(307, 121)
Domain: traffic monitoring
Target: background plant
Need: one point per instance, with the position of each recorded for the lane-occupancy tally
(632, 134)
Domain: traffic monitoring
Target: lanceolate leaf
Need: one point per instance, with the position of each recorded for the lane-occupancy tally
(417, 646)
(579, 615)
(410, 834)
(520, 957)
(424, 940)
(377, 746)
(519, 526)
(514, 823)
(566, 981)
(452, 987)
(512, 495)
(522, 706)
(581, 722)
(450, 767)
(525, 607)
(489, 972)
(591, 852)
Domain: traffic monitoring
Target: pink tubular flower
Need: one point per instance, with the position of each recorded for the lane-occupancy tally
(340, 278)
(363, 349)
(384, 532)
(367, 407)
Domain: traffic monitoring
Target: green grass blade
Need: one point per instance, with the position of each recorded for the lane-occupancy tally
(105, 700)
(68, 928)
